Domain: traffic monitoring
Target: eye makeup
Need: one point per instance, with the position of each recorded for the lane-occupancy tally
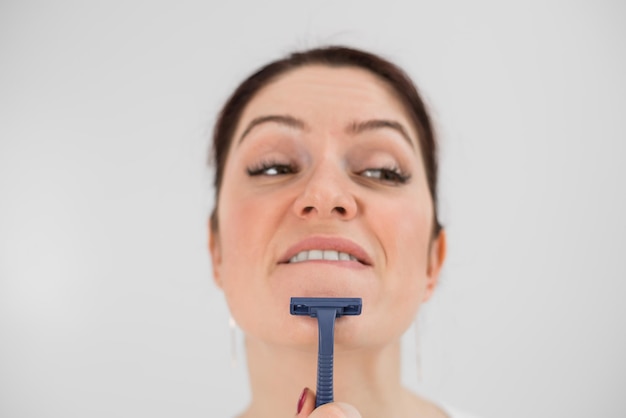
(271, 168)
(391, 175)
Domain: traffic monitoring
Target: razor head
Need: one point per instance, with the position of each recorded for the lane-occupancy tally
(310, 306)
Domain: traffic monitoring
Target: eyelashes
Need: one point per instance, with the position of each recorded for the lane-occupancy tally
(387, 175)
(271, 169)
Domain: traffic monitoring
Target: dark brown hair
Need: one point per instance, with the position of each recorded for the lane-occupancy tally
(333, 56)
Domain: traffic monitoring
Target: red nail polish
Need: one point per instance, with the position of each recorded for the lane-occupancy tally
(302, 399)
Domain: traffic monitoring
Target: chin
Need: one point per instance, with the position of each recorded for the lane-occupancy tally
(324, 283)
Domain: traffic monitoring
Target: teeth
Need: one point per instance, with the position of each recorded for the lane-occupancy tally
(316, 255)
(330, 255)
(301, 256)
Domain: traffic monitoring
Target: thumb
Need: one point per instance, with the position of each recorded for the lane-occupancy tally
(335, 410)
(306, 408)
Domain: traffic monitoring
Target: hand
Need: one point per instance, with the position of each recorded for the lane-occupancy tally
(306, 408)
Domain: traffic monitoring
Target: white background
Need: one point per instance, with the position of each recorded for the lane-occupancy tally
(107, 307)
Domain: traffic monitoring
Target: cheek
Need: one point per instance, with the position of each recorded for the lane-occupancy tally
(239, 215)
(408, 236)
(244, 228)
(406, 230)
(247, 225)
(241, 268)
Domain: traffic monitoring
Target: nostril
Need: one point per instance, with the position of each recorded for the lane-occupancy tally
(308, 209)
(340, 210)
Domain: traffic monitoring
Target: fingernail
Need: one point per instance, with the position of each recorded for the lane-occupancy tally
(302, 399)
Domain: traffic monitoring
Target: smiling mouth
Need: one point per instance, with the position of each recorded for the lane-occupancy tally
(327, 255)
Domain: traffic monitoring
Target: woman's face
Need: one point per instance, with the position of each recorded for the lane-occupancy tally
(324, 194)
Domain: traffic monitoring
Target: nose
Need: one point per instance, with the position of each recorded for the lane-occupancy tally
(326, 194)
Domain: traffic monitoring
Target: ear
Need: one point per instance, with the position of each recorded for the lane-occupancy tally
(436, 257)
(216, 253)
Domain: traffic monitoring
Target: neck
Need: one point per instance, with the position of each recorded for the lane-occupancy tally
(369, 379)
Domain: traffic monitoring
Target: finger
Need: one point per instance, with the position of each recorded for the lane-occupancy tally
(306, 403)
(335, 410)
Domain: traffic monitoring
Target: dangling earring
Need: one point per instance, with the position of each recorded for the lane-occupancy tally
(233, 342)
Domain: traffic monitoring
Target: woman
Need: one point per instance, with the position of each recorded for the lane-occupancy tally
(325, 183)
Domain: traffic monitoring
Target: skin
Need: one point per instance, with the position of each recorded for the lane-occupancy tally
(333, 156)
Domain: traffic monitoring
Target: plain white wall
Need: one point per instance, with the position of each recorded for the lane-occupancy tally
(107, 307)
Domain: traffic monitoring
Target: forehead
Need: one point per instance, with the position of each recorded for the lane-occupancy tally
(327, 95)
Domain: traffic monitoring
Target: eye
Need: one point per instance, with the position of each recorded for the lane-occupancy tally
(271, 169)
(391, 175)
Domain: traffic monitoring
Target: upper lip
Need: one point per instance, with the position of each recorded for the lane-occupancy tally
(328, 243)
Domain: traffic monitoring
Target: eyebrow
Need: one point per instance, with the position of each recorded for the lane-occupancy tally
(285, 120)
(358, 127)
(354, 128)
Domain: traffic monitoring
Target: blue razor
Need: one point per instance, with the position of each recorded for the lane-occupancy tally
(325, 310)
